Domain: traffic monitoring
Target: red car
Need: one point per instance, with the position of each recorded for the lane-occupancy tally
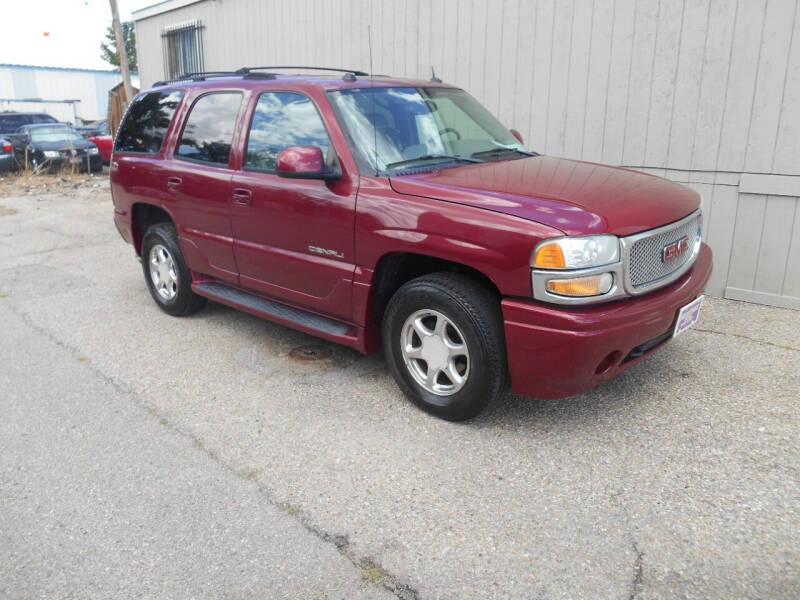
(105, 144)
(382, 212)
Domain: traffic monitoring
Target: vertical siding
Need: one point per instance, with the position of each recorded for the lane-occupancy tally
(675, 84)
(696, 90)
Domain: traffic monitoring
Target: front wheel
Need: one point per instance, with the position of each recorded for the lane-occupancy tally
(443, 341)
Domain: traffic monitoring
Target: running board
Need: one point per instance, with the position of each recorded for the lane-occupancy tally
(275, 311)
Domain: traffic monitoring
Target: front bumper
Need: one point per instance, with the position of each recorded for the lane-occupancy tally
(556, 351)
(57, 164)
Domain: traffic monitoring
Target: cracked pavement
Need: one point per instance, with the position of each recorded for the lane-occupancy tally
(143, 455)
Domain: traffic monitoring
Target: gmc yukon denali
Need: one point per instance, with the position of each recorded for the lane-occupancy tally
(377, 212)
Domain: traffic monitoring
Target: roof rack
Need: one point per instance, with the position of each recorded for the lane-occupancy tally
(351, 71)
(203, 75)
(251, 72)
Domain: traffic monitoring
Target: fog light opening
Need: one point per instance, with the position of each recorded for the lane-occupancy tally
(608, 362)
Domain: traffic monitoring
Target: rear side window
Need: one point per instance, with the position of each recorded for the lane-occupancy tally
(282, 119)
(10, 123)
(208, 132)
(146, 122)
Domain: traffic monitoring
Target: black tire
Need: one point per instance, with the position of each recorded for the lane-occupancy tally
(184, 301)
(475, 312)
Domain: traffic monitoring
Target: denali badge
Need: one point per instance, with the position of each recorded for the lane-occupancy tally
(675, 249)
(325, 252)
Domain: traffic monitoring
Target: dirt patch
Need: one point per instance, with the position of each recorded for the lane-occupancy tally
(5, 211)
(27, 184)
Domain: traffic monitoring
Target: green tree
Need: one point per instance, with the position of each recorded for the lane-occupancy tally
(108, 49)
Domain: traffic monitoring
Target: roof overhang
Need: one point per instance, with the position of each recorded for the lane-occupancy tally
(160, 8)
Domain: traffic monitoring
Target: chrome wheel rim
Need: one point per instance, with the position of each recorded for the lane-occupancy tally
(435, 352)
(163, 273)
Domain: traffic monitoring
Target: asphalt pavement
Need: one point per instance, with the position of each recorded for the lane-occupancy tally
(147, 456)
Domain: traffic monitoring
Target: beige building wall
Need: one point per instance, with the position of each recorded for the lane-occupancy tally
(706, 92)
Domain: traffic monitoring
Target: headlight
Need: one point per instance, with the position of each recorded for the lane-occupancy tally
(576, 252)
(51, 154)
(93, 151)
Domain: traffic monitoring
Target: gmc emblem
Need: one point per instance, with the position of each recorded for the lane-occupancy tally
(675, 249)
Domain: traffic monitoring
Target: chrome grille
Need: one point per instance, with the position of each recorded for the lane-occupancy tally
(645, 261)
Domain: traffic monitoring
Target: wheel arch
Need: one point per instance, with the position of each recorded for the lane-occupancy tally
(394, 269)
(145, 215)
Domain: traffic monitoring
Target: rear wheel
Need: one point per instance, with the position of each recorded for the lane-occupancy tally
(165, 271)
(443, 341)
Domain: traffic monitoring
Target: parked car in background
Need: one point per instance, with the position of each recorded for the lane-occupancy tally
(7, 162)
(105, 144)
(94, 128)
(381, 212)
(11, 121)
(51, 147)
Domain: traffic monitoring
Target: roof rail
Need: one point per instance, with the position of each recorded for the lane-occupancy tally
(251, 72)
(203, 75)
(353, 71)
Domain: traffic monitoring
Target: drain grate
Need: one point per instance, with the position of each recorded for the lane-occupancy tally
(310, 353)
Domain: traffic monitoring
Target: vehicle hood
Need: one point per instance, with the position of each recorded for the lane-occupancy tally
(77, 145)
(573, 196)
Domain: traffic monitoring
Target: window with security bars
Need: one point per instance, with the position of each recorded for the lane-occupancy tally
(183, 49)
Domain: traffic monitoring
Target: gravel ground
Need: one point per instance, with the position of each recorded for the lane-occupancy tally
(143, 455)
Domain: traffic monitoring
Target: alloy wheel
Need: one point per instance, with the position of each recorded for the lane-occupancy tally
(435, 352)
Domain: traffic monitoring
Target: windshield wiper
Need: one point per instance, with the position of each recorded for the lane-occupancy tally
(400, 163)
(501, 150)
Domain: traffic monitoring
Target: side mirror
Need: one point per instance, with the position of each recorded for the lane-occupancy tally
(304, 162)
(517, 135)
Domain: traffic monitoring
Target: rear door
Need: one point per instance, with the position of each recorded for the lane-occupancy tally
(137, 171)
(198, 184)
(293, 237)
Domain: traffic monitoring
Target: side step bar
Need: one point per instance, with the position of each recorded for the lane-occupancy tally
(309, 322)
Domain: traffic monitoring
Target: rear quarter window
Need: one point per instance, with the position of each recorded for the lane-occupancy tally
(147, 121)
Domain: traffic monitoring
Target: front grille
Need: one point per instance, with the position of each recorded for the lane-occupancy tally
(646, 263)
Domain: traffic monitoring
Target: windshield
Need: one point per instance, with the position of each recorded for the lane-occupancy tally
(394, 129)
(54, 134)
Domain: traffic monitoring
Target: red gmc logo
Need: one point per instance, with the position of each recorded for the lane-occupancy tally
(675, 249)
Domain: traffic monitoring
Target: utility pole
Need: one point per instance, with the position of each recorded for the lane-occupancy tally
(122, 53)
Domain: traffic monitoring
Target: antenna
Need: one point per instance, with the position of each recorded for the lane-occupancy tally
(372, 92)
(434, 78)
(369, 44)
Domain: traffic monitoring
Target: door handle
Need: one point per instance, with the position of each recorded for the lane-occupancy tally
(173, 183)
(242, 197)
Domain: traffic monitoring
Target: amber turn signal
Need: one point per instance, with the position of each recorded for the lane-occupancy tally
(593, 285)
(550, 256)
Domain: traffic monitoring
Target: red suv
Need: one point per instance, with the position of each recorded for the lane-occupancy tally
(374, 211)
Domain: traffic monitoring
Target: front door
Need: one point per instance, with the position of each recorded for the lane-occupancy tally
(293, 238)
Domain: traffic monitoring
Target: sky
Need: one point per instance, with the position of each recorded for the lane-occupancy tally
(58, 33)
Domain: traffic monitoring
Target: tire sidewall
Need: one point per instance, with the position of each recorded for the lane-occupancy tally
(164, 234)
(477, 391)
